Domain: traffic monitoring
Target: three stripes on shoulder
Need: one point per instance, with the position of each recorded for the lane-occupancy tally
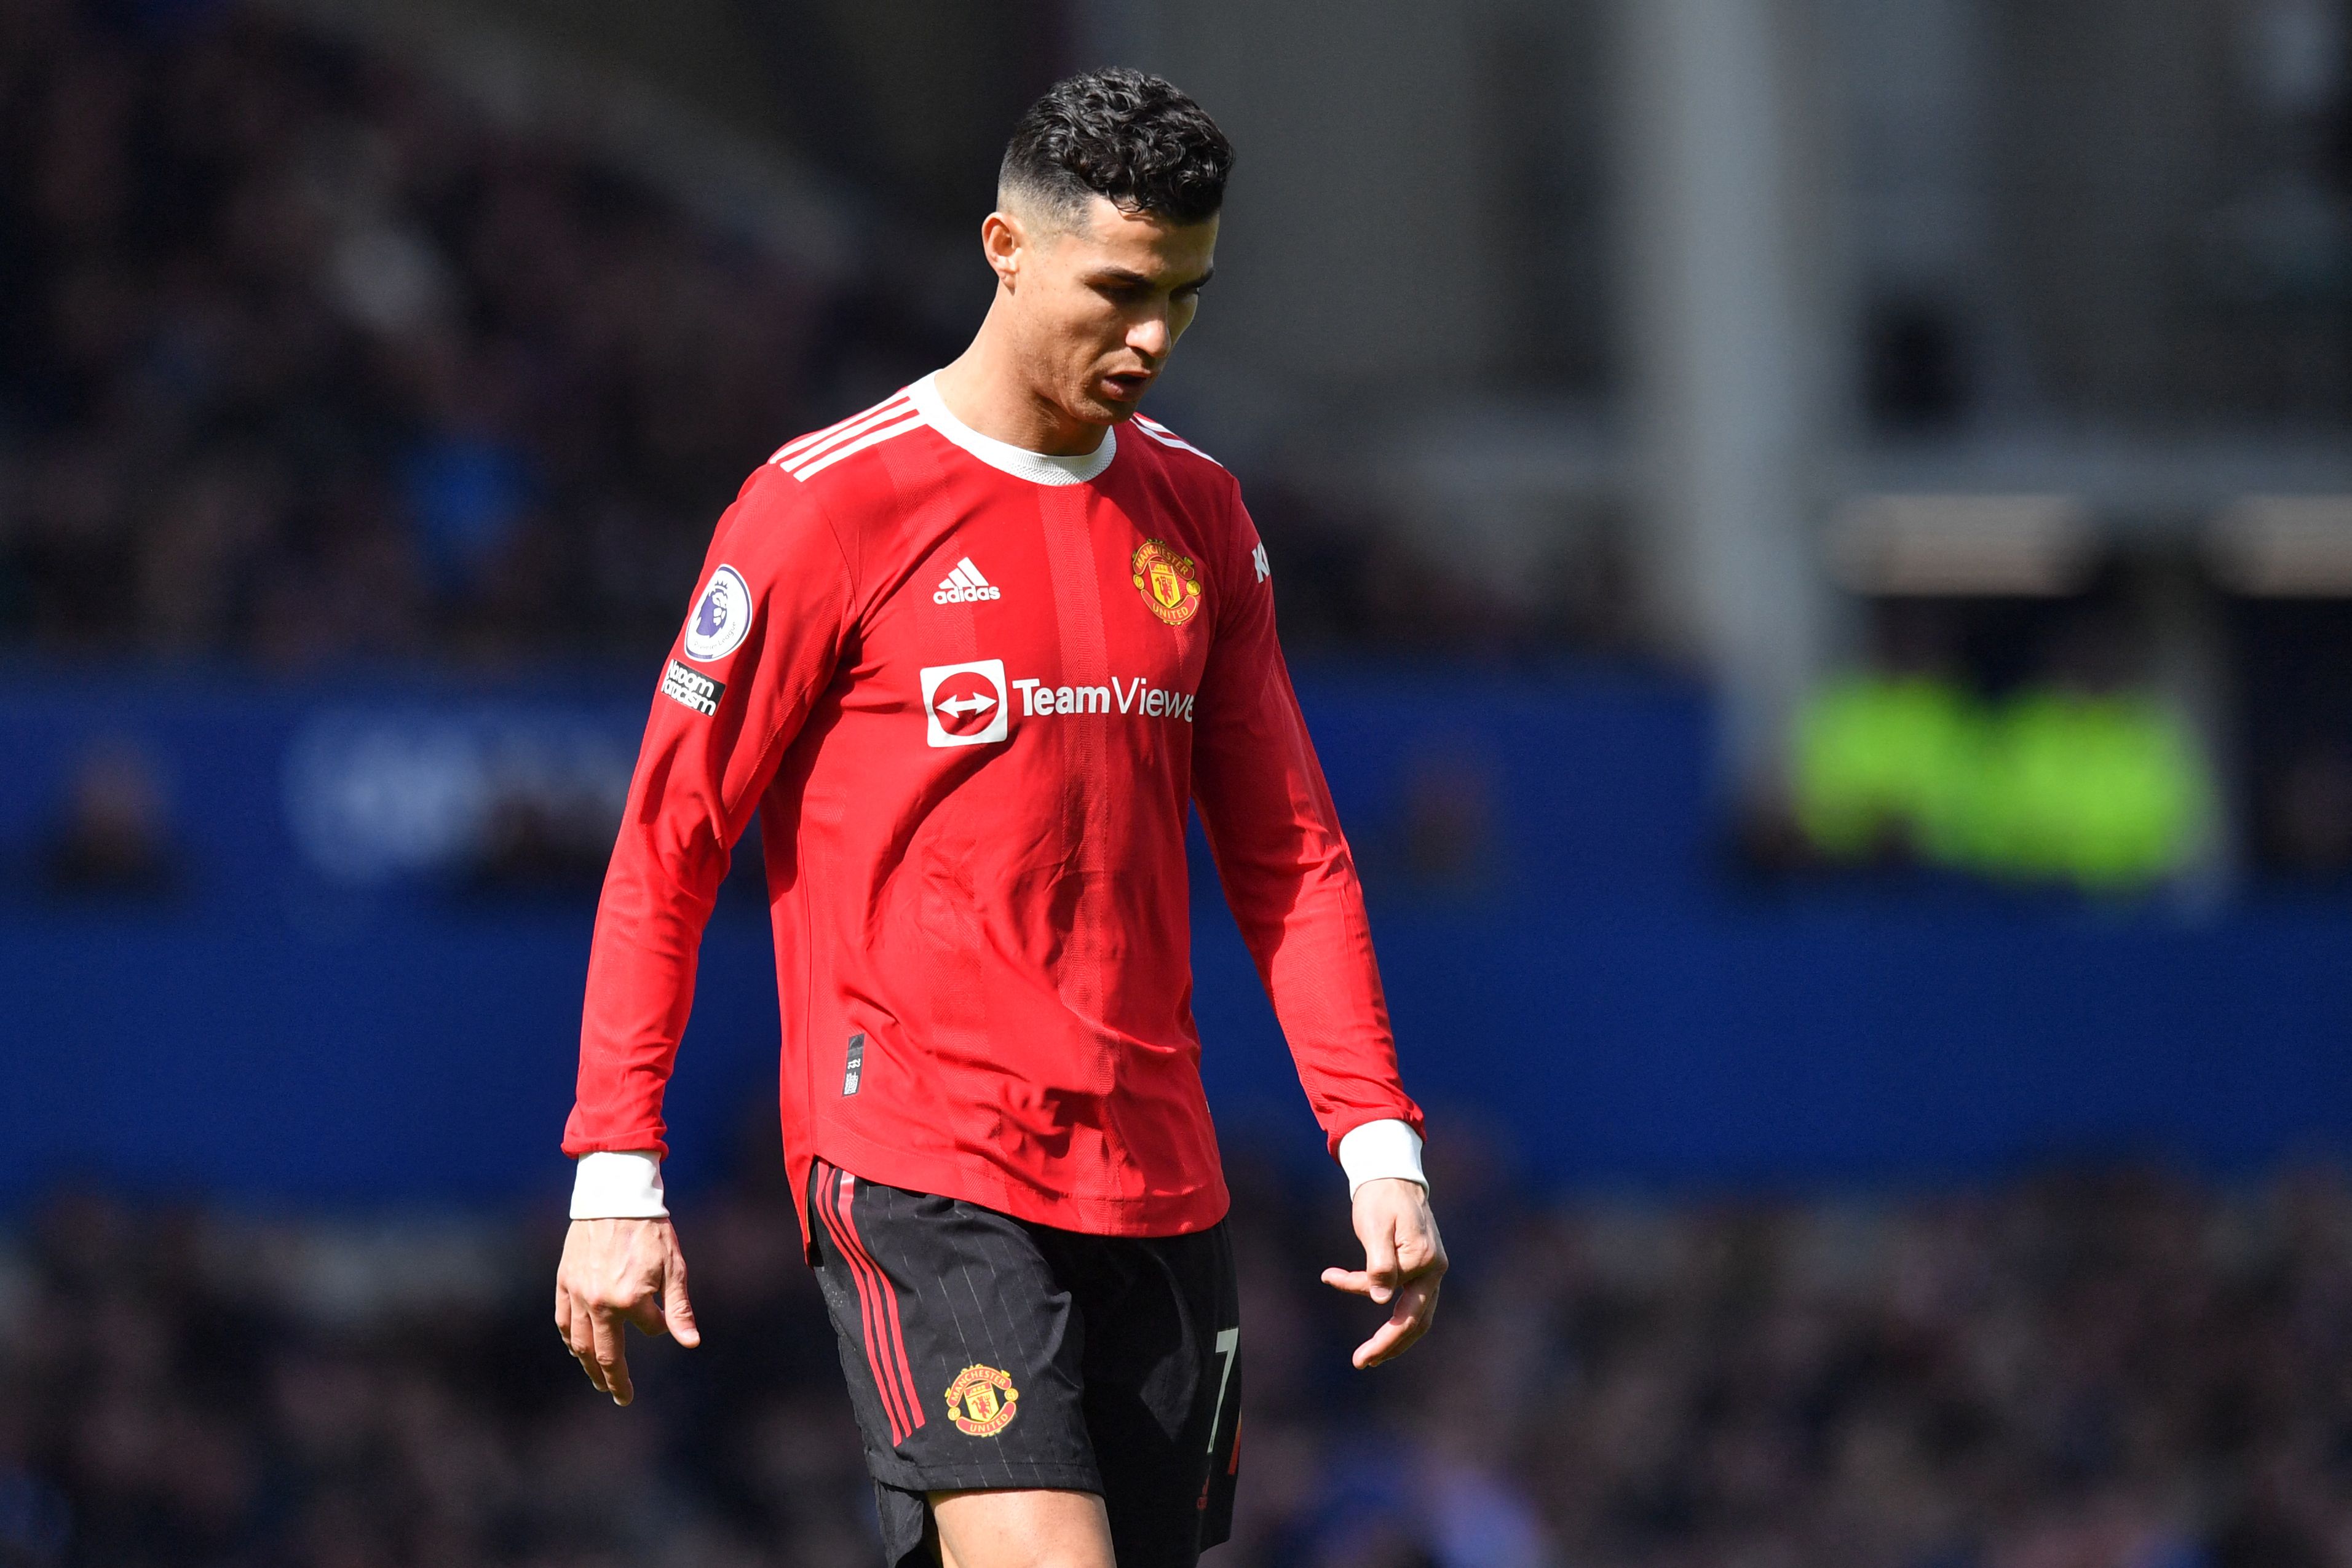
(812, 455)
(1167, 437)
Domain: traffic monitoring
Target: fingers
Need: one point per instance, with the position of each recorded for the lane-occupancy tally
(668, 1310)
(1415, 1309)
(678, 1312)
(612, 1357)
(1380, 1259)
(572, 1321)
(1417, 1247)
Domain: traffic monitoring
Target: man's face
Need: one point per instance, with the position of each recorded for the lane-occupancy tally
(1100, 303)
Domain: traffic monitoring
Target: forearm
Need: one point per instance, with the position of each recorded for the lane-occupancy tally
(640, 992)
(1306, 927)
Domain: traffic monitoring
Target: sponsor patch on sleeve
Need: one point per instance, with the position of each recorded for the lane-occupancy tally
(693, 687)
(722, 615)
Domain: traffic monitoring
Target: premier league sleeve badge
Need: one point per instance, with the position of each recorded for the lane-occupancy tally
(715, 627)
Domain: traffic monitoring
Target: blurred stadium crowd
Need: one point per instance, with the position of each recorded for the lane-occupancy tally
(2111, 1372)
(307, 359)
(304, 359)
(311, 359)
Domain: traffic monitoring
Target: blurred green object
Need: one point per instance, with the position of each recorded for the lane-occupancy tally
(2106, 791)
(1887, 766)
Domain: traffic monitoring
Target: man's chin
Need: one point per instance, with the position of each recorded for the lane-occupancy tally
(1095, 409)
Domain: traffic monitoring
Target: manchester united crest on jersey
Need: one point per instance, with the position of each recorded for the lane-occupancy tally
(1170, 583)
(982, 1402)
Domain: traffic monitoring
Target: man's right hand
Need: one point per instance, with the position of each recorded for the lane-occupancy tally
(617, 1271)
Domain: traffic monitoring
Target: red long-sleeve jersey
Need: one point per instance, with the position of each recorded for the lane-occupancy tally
(970, 690)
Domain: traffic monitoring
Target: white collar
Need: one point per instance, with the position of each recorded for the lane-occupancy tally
(1038, 468)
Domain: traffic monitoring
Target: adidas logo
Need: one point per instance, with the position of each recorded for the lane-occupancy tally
(965, 585)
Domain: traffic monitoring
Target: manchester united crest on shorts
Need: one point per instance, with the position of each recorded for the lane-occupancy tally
(982, 1402)
(1170, 583)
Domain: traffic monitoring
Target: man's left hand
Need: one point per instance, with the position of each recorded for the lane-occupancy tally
(1404, 1261)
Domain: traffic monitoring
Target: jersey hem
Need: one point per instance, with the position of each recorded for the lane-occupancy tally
(1150, 1214)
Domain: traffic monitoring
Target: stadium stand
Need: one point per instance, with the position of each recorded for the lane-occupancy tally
(2116, 1369)
(308, 360)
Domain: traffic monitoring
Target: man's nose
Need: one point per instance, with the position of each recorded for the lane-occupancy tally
(1149, 336)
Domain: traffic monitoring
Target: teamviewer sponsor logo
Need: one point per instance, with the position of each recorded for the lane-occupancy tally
(1138, 697)
(965, 703)
(965, 585)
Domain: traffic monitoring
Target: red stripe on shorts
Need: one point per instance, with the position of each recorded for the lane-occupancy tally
(856, 1243)
(870, 1314)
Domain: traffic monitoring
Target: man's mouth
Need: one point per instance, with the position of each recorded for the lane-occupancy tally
(1126, 385)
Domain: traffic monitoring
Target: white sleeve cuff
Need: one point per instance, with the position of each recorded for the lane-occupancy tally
(618, 1184)
(1377, 1148)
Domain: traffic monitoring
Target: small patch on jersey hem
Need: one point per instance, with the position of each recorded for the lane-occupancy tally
(692, 687)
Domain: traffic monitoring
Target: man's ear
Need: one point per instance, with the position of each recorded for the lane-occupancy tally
(1004, 240)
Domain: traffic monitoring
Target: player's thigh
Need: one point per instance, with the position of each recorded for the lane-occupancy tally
(1162, 1369)
(1035, 1529)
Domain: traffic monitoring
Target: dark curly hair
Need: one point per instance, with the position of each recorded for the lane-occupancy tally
(1123, 135)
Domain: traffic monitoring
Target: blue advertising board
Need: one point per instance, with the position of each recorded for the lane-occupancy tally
(349, 969)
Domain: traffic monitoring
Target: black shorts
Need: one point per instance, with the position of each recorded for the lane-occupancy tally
(986, 1352)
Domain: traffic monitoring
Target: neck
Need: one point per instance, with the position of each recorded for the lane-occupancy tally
(988, 388)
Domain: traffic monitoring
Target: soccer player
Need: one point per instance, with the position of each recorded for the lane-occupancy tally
(972, 653)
